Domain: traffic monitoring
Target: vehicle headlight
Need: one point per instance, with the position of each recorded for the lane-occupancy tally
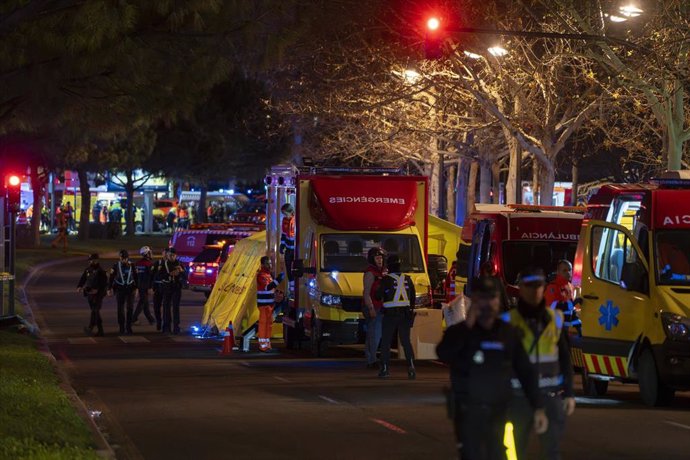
(330, 299)
(422, 300)
(676, 327)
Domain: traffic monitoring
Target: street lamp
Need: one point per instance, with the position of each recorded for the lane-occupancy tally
(630, 11)
(411, 76)
(497, 51)
(472, 55)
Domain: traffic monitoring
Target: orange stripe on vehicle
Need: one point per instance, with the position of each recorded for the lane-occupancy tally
(609, 369)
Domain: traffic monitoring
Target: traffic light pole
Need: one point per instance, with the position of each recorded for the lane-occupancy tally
(13, 246)
(2, 255)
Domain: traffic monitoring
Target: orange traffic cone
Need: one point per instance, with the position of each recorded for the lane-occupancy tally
(228, 341)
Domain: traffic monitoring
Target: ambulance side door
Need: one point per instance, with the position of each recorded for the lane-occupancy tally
(615, 294)
(479, 251)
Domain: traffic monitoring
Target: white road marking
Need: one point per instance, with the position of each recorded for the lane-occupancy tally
(388, 425)
(597, 401)
(281, 379)
(133, 339)
(678, 425)
(80, 340)
(327, 399)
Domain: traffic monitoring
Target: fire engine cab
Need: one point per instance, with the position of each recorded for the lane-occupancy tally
(633, 269)
(510, 237)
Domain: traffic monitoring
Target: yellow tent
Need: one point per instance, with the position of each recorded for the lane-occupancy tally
(444, 238)
(234, 295)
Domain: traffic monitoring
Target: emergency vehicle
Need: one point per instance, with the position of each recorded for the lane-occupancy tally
(340, 214)
(633, 269)
(204, 269)
(511, 237)
(190, 243)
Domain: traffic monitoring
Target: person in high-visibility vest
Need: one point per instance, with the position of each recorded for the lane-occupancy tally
(287, 243)
(483, 353)
(266, 295)
(373, 307)
(398, 295)
(123, 281)
(548, 350)
(559, 294)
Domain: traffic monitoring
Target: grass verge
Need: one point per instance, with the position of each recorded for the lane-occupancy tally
(37, 419)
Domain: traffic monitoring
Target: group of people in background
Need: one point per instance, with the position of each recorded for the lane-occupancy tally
(135, 281)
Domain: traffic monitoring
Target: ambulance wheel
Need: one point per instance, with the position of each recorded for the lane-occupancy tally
(592, 387)
(652, 390)
(318, 345)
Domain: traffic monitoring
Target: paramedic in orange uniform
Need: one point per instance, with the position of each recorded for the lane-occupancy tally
(287, 243)
(265, 299)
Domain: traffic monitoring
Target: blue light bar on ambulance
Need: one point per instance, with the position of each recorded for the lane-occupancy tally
(673, 179)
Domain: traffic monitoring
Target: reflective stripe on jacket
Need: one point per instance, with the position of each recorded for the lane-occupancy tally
(398, 297)
(265, 288)
(287, 236)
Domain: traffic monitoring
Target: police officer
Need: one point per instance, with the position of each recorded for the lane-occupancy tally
(144, 268)
(123, 281)
(94, 284)
(483, 352)
(158, 289)
(173, 277)
(548, 350)
(398, 295)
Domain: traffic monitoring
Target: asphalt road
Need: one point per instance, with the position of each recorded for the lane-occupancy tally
(167, 397)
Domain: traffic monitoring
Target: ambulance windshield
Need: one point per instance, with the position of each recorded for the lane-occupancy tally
(543, 254)
(672, 252)
(347, 252)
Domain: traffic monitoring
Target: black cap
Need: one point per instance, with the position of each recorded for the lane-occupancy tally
(124, 254)
(485, 286)
(532, 275)
(172, 251)
(93, 256)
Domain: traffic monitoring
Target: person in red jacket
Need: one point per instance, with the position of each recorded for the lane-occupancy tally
(373, 312)
(559, 294)
(265, 299)
(287, 243)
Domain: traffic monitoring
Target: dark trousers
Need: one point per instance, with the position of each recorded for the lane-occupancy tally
(480, 429)
(396, 318)
(95, 303)
(171, 308)
(522, 416)
(143, 305)
(157, 304)
(125, 298)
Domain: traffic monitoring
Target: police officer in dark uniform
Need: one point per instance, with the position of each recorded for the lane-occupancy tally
(94, 284)
(158, 288)
(173, 276)
(123, 281)
(144, 268)
(483, 352)
(398, 295)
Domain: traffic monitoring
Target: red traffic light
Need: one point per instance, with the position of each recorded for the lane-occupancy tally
(433, 23)
(14, 181)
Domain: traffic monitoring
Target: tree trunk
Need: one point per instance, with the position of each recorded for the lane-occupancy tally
(675, 153)
(547, 178)
(37, 188)
(129, 214)
(434, 184)
(450, 193)
(472, 186)
(484, 181)
(462, 191)
(514, 163)
(535, 181)
(576, 184)
(85, 210)
(201, 206)
(496, 181)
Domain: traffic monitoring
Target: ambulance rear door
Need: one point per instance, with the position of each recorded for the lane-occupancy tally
(479, 251)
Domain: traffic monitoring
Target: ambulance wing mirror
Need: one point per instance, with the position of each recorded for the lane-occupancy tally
(298, 269)
(634, 277)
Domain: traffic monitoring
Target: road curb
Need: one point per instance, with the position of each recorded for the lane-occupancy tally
(104, 449)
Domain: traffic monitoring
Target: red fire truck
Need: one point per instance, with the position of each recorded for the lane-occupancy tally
(514, 236)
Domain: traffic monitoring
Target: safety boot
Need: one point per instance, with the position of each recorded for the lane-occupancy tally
(411, 372)
(383, 372)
